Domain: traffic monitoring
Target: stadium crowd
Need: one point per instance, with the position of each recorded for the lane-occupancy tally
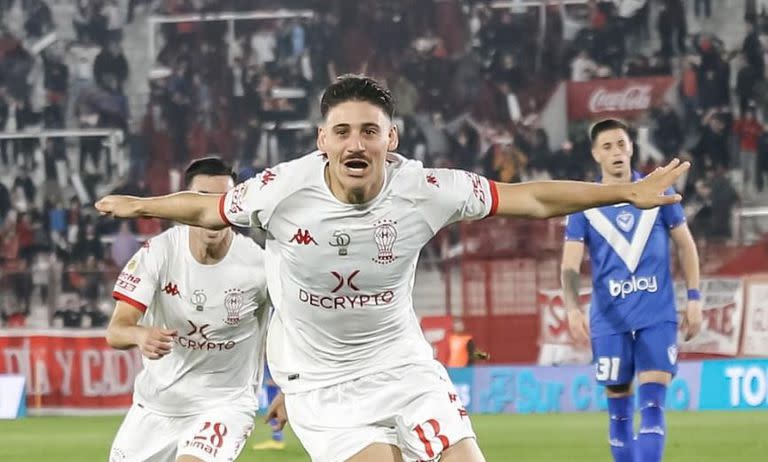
(470, 81)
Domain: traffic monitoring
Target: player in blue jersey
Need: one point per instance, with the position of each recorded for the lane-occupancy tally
(275, 420)
(633, 321)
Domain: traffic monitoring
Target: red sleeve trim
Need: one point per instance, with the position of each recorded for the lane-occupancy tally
(222, 214)
(134, 303)
(494, 197)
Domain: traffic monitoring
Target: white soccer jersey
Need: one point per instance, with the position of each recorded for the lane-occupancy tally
(221, 313)
(340, 275)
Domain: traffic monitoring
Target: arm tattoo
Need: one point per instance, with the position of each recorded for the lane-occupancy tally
(571, 283)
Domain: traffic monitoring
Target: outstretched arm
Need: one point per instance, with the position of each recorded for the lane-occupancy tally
(190, 208)
(544, 199)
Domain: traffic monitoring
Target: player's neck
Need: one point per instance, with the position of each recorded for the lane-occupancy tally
(624, 177)
(210, 254)
(353, 195)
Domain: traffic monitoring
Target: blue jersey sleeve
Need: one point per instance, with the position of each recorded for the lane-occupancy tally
(673, 214)
(576, 227)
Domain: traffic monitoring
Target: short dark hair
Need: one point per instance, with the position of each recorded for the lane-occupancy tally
(209, 166)
(353, 87)
(605, 125)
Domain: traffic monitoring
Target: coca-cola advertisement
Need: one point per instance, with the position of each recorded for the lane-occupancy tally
(626, 98)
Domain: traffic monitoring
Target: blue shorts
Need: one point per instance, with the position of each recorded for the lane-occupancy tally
(618, 357)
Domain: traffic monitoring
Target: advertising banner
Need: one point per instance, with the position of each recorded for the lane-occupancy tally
(13, 402)
(734, 384)
(555, 343)
(70, 369)
(722, 310)
(624, 98)
(755, 335)
(527, 390)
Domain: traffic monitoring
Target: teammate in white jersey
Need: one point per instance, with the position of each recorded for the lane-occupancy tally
(345, 226)
(194, 301)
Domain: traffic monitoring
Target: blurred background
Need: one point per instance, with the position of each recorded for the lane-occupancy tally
(117, 96)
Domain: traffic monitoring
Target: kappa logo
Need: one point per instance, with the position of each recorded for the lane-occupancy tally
(303, 237)
(172, 290)
(267, 177)
(432, 179)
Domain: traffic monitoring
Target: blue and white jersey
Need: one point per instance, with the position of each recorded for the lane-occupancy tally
(632, 284)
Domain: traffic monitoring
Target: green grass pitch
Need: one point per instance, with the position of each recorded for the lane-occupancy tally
(699, 437)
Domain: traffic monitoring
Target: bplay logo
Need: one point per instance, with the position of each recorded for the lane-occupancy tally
(635, 284)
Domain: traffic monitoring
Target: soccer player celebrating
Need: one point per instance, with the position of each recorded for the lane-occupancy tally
(633, 321)
(345, 226)
(194, 301)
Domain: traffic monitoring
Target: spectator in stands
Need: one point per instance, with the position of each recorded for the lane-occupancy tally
(68, 315)
(82, 55)
(111, 61)
(747, 129)
(464, 148)
(668, 133)
(583, 68)
(461, 346)
(56, 84)
(179, 108)
(673, 28)
(20, 279)
(762, 159)
(566, 164)
(746, 83)
(507, 161)
(88, 243)
(25, 191)
(114, 20)
(39, 21)
(124, 246)
(5, 202)
(752, 49)
(713, 143)
(718, 197)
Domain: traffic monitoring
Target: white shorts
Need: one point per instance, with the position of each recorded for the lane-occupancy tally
(414, 407)
(217, 435)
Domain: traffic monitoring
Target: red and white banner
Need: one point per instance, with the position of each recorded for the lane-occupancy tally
(755, 337)
(70, 370)
(555, 343)
(722, 310)
(436, 330)
(626, 98)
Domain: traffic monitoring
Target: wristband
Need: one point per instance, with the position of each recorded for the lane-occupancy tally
(694, 294)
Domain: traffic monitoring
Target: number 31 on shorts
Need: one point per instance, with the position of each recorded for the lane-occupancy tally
(607, 368)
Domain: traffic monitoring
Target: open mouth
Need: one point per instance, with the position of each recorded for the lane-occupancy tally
(618, 163)
(356, 166)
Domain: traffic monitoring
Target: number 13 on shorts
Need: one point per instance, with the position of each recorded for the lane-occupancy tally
(607, 368)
